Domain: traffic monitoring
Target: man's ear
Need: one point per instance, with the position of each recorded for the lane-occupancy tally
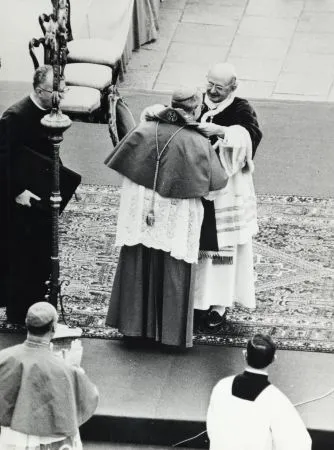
(245, 354)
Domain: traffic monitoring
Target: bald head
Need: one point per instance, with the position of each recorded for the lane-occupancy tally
(222, 80)
(224, 72)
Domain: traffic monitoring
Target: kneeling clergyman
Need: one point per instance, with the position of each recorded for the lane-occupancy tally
(167, 167)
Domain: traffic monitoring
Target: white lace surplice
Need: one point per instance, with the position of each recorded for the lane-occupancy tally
(177, 224)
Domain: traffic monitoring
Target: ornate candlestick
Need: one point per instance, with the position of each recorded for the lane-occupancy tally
(54, 27)
(56, 123)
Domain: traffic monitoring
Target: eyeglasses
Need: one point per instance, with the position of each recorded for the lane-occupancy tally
(63, 91)
(218, 87)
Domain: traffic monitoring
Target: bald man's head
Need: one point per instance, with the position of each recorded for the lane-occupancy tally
(222, 80)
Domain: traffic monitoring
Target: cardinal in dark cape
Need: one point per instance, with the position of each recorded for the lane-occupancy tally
(188, 168)
(168, 165)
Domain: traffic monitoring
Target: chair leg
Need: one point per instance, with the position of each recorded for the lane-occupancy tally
(112, 115)
(116, 72)
(104, 109)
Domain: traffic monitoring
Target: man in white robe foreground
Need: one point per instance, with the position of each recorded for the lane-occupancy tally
(43, 398)
(246, 412)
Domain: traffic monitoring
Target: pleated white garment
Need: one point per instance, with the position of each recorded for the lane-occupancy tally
(236, 223)
(228, 283)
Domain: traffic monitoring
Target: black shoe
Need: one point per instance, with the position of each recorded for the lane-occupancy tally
(138, 342)
(200, 316)
(215, 320)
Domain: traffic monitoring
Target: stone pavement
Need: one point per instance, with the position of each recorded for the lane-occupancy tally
(282, 49)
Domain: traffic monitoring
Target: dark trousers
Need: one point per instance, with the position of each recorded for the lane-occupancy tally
(29, 266)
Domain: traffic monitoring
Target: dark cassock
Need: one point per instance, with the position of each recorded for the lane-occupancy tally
(233, 111)
(224, 273)
(247, 412)
(167, 167)
(25, 231)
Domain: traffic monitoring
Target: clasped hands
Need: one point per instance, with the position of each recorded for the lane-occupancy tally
(25, 198)
(243, 155)
(73, 355)
(211, 129)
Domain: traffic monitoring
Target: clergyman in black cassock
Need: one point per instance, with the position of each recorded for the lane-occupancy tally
(25, 228)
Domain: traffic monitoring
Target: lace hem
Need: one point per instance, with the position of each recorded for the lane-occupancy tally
(187, 259)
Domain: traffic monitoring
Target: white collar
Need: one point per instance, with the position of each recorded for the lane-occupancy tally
(37, 104)
(216, 108)
(37, 341)
(257, 371)
(209, 103)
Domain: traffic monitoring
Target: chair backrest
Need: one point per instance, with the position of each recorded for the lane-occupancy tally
(35, 43)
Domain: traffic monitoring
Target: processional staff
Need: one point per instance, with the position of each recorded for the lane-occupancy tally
(56, 123)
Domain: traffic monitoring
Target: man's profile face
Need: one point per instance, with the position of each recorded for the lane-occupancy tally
(218, 87)
(44, 92)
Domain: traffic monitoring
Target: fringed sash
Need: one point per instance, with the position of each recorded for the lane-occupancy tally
(235, 205)
(224, 256)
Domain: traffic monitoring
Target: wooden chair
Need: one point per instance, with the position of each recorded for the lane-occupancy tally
(91, 71)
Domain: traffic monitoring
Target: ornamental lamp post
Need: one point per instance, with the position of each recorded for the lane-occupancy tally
(56, 123)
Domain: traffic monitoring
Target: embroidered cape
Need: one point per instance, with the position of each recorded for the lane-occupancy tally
(41, 394)
(188, 168)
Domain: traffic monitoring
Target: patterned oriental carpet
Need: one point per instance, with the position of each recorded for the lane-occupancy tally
(293, 261)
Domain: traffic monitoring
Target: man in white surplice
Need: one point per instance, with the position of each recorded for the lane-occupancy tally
(246, 412)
